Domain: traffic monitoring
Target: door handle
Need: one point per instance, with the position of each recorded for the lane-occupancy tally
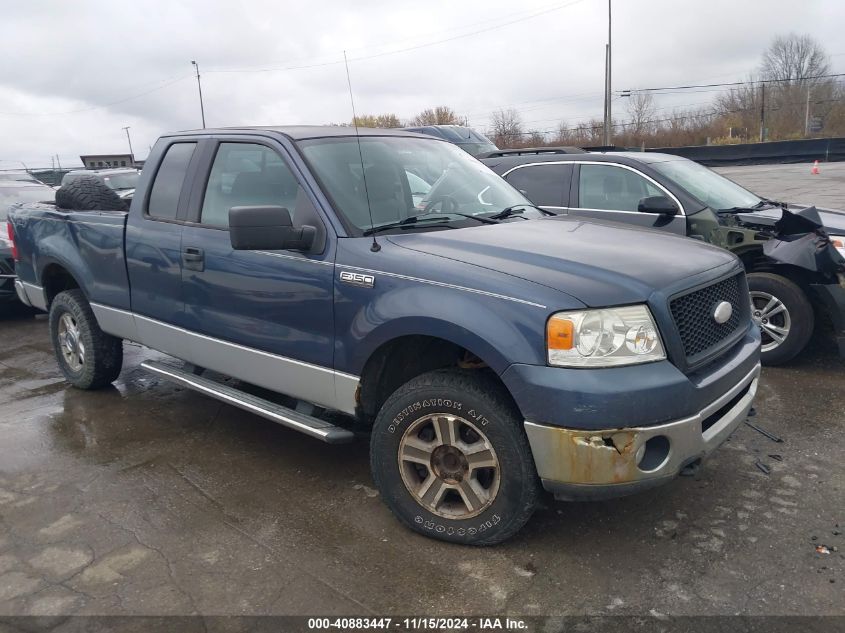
(193, 258)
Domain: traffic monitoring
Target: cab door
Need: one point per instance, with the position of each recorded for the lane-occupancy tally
(265, 317)
(613, 192)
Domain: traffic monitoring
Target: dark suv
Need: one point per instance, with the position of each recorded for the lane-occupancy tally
(472, 142)
(793, 254)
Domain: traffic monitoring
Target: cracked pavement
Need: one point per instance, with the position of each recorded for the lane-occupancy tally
(149, 499)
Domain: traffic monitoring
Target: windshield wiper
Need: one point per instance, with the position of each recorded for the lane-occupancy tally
(413, 220)
(515, 210)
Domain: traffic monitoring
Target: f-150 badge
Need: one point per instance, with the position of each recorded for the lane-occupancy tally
(357, 279)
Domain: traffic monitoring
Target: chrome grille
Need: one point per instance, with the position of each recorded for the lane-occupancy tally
(700, 334)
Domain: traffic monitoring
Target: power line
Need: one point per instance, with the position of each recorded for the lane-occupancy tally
(531, 16)
(98, 107)
(733, 83)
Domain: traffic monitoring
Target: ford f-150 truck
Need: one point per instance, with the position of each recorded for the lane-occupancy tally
(492, 349)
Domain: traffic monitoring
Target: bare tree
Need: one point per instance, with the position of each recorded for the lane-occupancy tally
(795, 58)
(506, 128)
(793, 65)
(441, 115)
(642, 112)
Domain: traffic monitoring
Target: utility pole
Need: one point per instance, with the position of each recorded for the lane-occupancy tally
(131, 153)
(762, 111)
(607, 109)
(58, 161)
(807, 114)
(199, 87)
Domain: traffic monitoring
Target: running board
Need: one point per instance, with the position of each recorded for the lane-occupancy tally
(320, 429)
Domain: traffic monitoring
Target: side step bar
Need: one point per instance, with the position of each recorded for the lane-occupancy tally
(320, 429)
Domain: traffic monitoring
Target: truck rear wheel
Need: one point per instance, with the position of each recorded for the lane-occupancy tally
(88, 357)
(784, 315)
(89, 193)
(451, 459)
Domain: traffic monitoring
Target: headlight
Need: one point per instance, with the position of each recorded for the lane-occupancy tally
(838, 242)
(607, 337)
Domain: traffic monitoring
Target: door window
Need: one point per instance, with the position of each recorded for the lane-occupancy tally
(542, 184)
(164, 195)
(246, 175)
(613, 188)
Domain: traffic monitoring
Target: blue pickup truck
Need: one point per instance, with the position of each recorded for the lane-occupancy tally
(492, 349)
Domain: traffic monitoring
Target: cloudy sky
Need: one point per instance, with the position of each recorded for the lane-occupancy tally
(75, 73)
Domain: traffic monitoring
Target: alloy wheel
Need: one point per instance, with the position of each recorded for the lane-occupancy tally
(449, 466)
(70, 344)
(772, 317)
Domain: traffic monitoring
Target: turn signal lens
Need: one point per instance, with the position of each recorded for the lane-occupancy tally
(560, 331)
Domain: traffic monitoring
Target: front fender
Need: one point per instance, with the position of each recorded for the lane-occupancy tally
(498, 331)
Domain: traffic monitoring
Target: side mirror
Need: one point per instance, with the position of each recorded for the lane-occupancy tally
(267, 228)
(657, 204)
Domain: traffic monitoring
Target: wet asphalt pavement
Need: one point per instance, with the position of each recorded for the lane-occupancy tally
(149, 499)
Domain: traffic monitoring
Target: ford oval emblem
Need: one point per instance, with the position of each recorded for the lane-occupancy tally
(723, 312)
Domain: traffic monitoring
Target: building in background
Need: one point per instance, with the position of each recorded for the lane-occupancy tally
(106, 161)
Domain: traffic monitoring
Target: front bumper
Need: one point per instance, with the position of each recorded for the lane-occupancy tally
(598, 464)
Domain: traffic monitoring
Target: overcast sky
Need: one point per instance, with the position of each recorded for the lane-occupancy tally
(74, 73)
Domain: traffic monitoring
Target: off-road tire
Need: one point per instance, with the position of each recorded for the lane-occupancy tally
(800, 314)
(89, 193)
(477, 398)
(103, 352)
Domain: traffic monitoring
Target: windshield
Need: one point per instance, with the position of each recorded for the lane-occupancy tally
(475, 149)
(407, 178)
(12, 195)
(716, 191)
(122, 181)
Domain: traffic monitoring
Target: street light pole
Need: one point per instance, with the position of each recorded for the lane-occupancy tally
(807, 114)
(199, 87)
(131, 153)
(607, 99)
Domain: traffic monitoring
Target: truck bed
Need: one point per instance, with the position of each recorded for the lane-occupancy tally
(90, 243)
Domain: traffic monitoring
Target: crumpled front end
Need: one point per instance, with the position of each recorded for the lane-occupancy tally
(576, 464)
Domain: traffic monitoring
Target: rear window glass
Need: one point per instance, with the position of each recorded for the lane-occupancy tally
(542, 184)
(164, 196)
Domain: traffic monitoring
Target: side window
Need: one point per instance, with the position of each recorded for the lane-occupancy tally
(613, 188)
(164, 195)
(246, 174)
(542, 184)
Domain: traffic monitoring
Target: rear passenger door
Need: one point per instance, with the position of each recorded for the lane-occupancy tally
(544, 184)
(613, 192)
(261, 316)
(154, 245)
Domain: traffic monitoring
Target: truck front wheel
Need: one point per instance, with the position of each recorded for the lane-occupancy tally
(88, 357)
(451, 459)
(784, 315)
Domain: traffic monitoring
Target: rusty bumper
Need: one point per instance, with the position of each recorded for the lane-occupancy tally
(578, 464)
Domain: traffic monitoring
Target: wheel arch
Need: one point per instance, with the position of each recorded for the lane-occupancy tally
(56, 277)
(399, 359)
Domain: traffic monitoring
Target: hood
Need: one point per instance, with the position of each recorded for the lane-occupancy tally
(598, 263)
(833, 220)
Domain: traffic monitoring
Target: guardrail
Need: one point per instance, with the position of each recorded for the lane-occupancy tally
(772, 152)
(799, 151)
